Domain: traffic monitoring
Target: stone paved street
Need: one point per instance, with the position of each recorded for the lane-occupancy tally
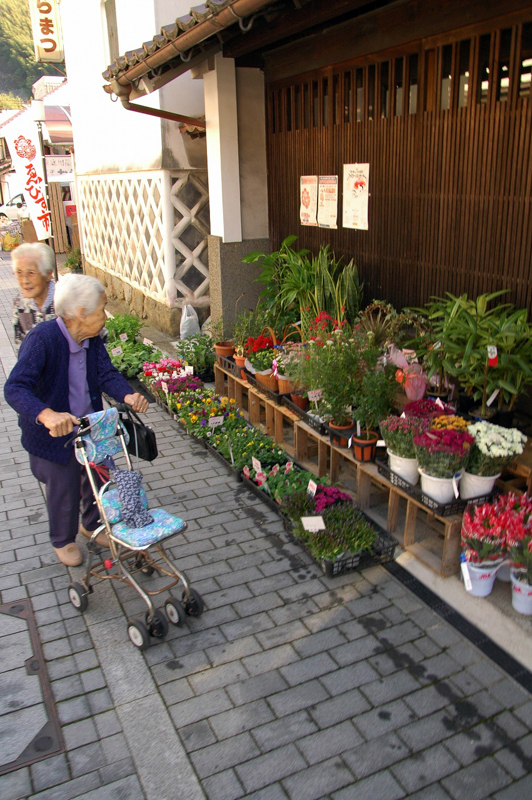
(291, 686)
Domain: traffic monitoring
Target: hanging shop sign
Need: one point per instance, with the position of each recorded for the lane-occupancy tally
(308, 199)
(46, 29)
(355, 196)
(327, 201)
(59, 168)
(22, 138)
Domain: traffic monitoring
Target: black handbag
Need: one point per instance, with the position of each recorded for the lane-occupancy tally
(142, 440)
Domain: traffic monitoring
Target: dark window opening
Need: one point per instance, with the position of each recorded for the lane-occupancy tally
(463, 82)
(348, 100)
(503, 78)
(360, 94)
(446, 76)
(398, 87)
(484, 47)
(371, 91)
(412, 89)
(525, 67)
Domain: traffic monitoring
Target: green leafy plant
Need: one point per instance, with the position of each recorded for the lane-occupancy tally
(373, 391)
(124, 323)
(75, 260)
(133, 356)
(198, 353)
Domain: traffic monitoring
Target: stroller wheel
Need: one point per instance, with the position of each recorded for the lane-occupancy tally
(138, 634)
(174, 611)
(77, 594)
(158, 627)
(194, 605)
(145, 568)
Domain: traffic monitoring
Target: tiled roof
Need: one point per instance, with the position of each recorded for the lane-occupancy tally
(179, 37)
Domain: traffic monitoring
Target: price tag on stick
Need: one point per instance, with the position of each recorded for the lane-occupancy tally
(493, 357)
(215, 421)
(313, 524)
(116, 351)
(465, 573)
(311, 488)
(123, 337)
(255, 463)
(147, 342)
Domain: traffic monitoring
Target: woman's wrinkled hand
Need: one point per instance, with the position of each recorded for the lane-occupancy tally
(137, 402)
(59, 423)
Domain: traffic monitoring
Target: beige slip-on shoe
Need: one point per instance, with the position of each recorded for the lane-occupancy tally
(101, 539)
(70, 555)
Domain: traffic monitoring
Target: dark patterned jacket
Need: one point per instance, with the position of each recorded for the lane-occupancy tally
(26, 313)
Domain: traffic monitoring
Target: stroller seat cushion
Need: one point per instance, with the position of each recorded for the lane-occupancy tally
(163, 526)
(112, 506)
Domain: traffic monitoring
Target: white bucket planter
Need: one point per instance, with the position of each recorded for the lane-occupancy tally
(406, 468)
(521, 595)
(504, 572)
(476, 485)
(440, 489)
(482, 579)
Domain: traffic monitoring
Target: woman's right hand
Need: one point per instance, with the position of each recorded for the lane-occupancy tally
(59, 423)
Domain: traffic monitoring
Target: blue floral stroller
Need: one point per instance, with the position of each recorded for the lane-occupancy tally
(136, 535)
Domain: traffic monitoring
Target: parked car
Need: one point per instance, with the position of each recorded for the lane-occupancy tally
(11, 209)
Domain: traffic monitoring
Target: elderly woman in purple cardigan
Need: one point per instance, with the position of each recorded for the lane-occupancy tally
(63, 368)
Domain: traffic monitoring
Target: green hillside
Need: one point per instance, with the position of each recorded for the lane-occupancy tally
(18, 69)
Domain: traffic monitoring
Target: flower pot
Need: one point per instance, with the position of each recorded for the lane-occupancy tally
(504, 418)
(521, 594)
(299, 401)
(240, 361)
(406, 468)
(439, 489)
(503, 573)
(482, 579)
(268, 380)
(335, 433)
(365, 450)
(465, 402)
(476, 413)
(476, 485)
(284, 384)
(224, 349)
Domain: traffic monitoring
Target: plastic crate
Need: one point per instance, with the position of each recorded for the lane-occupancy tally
(455, 507)
(313, 423)
(228, 365)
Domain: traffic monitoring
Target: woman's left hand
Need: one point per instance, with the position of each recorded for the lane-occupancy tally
(137, 402)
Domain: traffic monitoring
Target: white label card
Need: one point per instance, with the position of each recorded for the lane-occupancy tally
(311, 488)
(215, 421)
(313, 524)
(116, 351)
(439, 402)
(257, 466)
(381, 443)
(315, 394)
(492, 351)
(164, 387)
(147, 341)
(492, 397)
(123, 337)
(465, 574)
(189, 370)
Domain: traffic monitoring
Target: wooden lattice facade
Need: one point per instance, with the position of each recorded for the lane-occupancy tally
(445, 124)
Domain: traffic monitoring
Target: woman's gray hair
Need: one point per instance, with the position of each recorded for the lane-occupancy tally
(77, 291)
(42, 256)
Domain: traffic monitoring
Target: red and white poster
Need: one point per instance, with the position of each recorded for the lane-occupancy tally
(22, 138)
(327, 201)
(308, 199)
(355, 196)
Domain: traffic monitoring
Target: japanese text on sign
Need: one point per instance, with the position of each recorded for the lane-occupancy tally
(46, 29)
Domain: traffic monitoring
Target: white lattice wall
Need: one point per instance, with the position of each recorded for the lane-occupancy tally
(149, 229)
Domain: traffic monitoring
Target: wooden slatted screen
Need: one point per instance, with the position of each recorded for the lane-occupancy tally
(446, 128)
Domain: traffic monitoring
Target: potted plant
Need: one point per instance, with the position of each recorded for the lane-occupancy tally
(398, 434)
(483, 545)
(262, 361)
(442, 454)
(373, 394)
(197, 352)
(426, 408)
(493, 449)
(74, 261)
(519, 543)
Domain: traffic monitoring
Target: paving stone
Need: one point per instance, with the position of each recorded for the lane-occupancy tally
(115, 748)
(231, 651)
(330, 742)
(100, 701)
(386, 718)
(118, 790)
(307, 695)
(369, 757)
(330, 712)
(383, 691)
(85, 759)
(350, 677)
(197, 735)
(524, 713)
(270, 768)
(478, 781)
(425, 768)
(308, 668)
(509, 693)
(434, 792)
(79, 733)
(350, 653)
(117, 770)
(256, 687)
(288, 729)
(382, 786)
(15, 785)
(73, 710)
(188, 711)
(77, 788)
(67, 687)
(317, 781)
(517, 791)
(223, 785)
(516, 758)
(225, 754)
(216, 677)
(107, 724)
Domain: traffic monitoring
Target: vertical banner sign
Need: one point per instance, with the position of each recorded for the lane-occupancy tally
(22, 138)
(46, 29)
(355, 196)
(308, 199)
(328, 201)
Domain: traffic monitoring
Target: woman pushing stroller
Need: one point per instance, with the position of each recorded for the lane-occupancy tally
(62, 370)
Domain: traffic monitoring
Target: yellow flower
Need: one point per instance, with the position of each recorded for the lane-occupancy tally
(223, 400)
(232, 401)
(193, 418)
(208, 400)
(231, 416)
(178, 406)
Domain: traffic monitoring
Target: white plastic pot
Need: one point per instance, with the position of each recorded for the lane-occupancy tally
(440, 489)
(406, 468)
(521, 594)
(476, 485)
(482, 579)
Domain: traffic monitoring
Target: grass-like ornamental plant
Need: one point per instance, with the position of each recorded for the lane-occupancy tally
(494, 447)
(399, 432)
(443, 453)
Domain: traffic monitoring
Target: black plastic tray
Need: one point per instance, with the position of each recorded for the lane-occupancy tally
(455, 507)
(319, 427)
(228, 365)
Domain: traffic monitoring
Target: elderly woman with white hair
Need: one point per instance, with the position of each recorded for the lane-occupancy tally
(63, 368)
(33, 266)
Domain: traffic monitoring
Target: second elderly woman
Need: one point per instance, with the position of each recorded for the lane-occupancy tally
(33, 266)
(62, 370)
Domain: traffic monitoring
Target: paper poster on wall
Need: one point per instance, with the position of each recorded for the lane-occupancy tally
(328, 201)
(308, 199)
(355, 196)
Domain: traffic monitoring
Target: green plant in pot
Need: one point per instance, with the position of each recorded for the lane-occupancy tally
(74, 261)
(373, 396)
(337, 363)
(198, 353)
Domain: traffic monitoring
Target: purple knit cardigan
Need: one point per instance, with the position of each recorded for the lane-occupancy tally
(39, 380)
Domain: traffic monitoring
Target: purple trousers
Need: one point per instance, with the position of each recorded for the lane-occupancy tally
(66, 487)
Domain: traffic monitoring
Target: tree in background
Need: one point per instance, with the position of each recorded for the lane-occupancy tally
(18, 69)
(10, 100)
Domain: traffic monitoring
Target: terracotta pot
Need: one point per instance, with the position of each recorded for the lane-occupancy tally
(269, 381)
(299, 401)
(224, 349)
(240, 361)
(365, 450)
(337, 438)
(284, 384)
